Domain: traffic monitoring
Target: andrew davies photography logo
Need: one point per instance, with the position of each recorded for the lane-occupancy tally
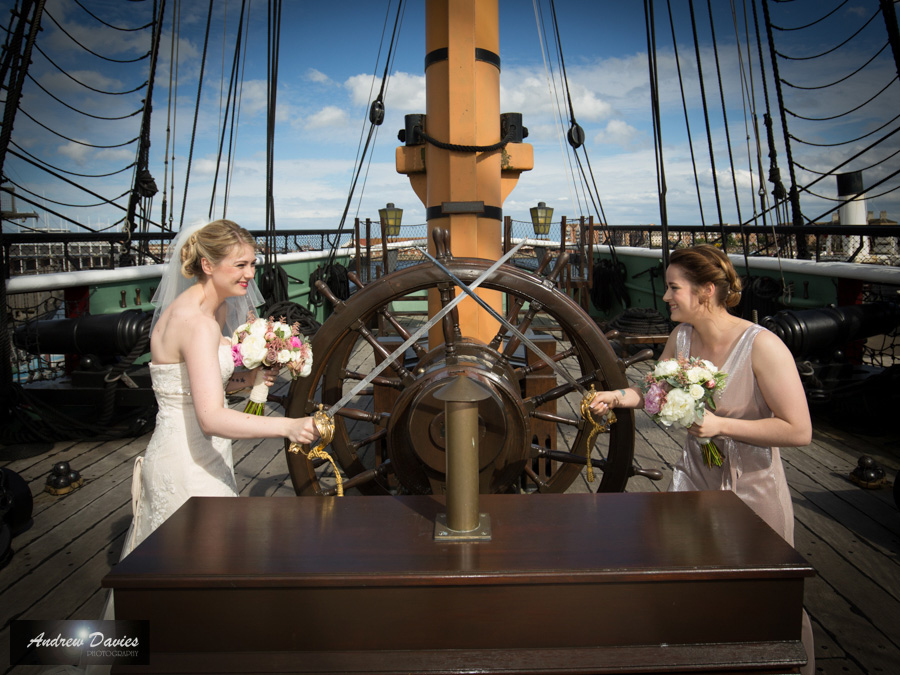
(79, 643)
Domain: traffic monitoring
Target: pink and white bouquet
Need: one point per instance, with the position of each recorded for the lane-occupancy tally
(679, 391)
(270, 344)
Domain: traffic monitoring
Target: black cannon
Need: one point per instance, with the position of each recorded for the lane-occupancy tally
(852, 394)
(811, 333)
(101, 334)
(102, 386)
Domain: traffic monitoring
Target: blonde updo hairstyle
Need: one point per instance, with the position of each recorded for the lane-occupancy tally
(706, 264)
(213, 242)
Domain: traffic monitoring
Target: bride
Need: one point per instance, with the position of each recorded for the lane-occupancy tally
(205, 293)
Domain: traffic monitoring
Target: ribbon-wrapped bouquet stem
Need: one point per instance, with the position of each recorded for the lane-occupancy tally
(270, 344)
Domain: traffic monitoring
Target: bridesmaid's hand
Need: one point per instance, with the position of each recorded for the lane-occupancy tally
(711, 425)
(604, 401)
(271, 375)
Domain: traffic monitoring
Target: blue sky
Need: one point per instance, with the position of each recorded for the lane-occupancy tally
(327, 61)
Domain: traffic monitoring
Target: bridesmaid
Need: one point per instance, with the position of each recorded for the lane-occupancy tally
(762, 408)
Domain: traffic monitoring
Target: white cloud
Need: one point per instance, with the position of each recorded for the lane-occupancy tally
(327, 117)
(317, 76)
(75, 151)
(619, 132)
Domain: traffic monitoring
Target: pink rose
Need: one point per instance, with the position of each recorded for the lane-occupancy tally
(270, 336)
(710, 384)
(296, 343)
(654, 399)
(236, 355)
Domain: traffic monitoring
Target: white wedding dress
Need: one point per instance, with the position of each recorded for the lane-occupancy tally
(180, 461)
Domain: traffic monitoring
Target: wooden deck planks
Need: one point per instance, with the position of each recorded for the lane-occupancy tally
(851, 535)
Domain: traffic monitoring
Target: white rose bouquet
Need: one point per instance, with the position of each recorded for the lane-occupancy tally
(679, 391)
(270, 344)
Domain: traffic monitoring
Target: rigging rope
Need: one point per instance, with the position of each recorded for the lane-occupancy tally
(72, 140)
(834, 145)
(104, 201)
(687, 122)
(376, 117)
(187, 176)
(793, 196)
(652, 65)
(89, 50)
(814, 22)
(575, 137)
(846, 77)
(843, 114)
(709, 142)
(81, 112)
(236, 116)
(71, 173)
(864, 169)
(127, 30)
(232, 81)
(86, 86)
(737, 201)
(835, 48)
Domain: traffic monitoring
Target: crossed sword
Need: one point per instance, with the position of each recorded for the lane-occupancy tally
(324, 419)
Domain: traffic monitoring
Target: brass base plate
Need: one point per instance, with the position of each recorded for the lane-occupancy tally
(444, 533)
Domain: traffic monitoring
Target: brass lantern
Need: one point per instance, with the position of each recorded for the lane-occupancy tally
(541, 215)
(390, 218)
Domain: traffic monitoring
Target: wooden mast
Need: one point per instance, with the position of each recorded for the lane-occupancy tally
(463, 190)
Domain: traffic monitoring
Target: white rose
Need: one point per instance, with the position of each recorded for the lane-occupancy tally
(705, 375)
(284, 356)
(693, 375)
(253, 350)
(678, 409)
(665, 369)
(696, 391)
(258, 328)
(709, 365)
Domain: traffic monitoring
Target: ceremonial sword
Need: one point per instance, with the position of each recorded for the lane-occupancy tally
(421, 331)
(558, 369)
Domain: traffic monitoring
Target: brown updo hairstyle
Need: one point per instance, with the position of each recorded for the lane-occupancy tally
(213, 242)
(706, 264)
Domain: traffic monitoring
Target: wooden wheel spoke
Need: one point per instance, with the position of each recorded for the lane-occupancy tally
(566, 457)
(363, 478)
(368, 440)
(556, 419)
(540, 364)
(538, 400)
(396, 365)
(362, 415)
(401, 330)
(391, 382)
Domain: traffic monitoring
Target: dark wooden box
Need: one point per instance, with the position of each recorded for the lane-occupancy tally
(588, 583)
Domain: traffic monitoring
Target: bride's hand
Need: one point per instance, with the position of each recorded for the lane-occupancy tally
(302, 430)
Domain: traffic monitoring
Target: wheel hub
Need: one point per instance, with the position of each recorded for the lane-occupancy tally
(416, 430)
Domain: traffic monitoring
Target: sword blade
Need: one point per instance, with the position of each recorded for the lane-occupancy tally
(419, 332)
(558, 369)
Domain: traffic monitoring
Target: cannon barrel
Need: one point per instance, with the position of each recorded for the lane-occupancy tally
(102, 334)
(819, 332)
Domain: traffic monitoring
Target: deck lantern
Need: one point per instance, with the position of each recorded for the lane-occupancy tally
(390, 219)
(541, 215)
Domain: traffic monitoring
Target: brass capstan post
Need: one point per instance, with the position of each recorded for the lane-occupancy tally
(462, 520)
